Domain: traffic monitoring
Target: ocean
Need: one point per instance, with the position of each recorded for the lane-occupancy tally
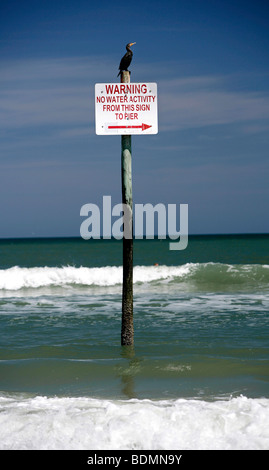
(196, 377)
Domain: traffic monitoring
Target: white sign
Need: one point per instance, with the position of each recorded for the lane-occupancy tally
(126, 108)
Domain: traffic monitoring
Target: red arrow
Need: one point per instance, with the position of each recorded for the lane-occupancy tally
(143, 127)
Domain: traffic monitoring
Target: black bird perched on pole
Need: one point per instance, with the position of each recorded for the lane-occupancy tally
(126, 59)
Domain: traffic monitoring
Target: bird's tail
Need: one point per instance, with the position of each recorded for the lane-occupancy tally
(119, 73)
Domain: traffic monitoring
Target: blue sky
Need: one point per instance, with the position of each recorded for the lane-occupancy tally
(210, 60)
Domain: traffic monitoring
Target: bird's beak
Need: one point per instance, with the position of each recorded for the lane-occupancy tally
(132, 43)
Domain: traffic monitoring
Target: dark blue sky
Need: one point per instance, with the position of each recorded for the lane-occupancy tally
(210, 60)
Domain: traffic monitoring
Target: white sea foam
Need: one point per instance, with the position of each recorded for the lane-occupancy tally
(93, 424)
(16, 278)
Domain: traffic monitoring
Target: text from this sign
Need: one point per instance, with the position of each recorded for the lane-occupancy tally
(126, 108)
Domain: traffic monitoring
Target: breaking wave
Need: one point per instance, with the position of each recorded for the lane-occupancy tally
(42, 423)
(200, 274)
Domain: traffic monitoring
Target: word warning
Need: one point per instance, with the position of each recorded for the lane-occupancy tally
(126, 108)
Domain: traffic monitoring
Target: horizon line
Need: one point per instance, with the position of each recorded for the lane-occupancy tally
(55, 237)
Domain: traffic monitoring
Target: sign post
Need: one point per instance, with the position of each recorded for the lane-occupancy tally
(126, 109)
(127, 327)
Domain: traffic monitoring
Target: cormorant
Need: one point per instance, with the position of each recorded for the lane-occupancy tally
(126, 59)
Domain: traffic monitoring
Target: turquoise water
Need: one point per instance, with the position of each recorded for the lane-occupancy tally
(201, 331)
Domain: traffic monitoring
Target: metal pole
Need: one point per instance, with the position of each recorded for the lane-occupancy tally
(127, 327)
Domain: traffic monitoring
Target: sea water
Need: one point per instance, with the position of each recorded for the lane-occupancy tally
(197, 376)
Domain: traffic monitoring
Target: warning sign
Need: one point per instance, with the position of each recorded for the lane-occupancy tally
(126, 108)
